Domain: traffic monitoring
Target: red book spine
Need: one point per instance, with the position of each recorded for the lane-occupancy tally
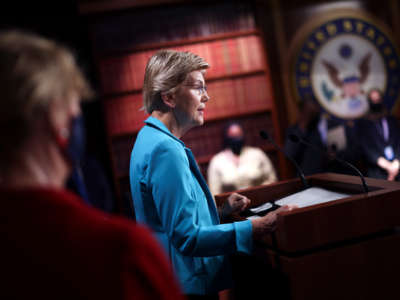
(233, 52)
(240, 95)
(217, 58)
(126, 73)
(255, 53)
(116, 75)
(222, 106)
(214, 136)
(243, 55)
(123, 115)
(129, 114)
(266, 99)
(110, 114)
(250, 93)
(230, 99)
(138, 111)
(134, 114)
(110, 75)
(204, 52)
(141, 67)
(226, 58)
(138, 67)
(117, 116)
(212, 103)
(134, 63)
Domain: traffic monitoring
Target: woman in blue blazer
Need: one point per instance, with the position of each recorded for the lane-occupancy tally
(169, 193)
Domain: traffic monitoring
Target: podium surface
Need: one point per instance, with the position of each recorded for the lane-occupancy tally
(344, 249)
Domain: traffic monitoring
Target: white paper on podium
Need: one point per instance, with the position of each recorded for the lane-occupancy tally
(311, 196)
(261, 208)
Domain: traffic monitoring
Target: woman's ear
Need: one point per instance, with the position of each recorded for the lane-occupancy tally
(169, 99)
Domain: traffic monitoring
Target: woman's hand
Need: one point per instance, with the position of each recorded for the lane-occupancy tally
(393, 170)
(267, 223)
(234, 204)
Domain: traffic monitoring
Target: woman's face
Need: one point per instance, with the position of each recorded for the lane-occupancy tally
(62, 111)
(191, 98)
(375, 97)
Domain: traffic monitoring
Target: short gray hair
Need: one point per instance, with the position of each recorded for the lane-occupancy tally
(165, 70)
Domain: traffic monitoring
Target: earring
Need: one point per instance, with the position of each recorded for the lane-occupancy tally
(62, 137)
(63, 133)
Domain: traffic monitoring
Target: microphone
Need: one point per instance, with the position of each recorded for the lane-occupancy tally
(266, 136)
(295, 139)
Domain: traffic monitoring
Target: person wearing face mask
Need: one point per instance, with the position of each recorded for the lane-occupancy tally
(379, 139)
(312, 127)
(54, 246)
(238, 166)
(88, 178)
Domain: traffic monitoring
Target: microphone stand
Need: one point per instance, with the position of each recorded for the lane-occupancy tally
(294, 138)
(266, 136)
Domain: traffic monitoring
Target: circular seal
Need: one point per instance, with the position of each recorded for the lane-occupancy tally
(341, 59)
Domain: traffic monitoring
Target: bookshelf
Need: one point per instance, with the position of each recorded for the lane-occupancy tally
(238, 81)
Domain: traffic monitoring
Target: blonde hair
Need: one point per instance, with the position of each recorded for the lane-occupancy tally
(33, 72)
(165, 70)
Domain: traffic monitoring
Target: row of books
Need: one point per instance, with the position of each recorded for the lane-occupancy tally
(124, 114)
(223, 33)
(124, 31)
(238, 96)
(205, 141)
(228, 97)
(226, 57)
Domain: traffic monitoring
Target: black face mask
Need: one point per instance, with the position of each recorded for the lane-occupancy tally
(376, 107)
(313, 123)
(235, 144)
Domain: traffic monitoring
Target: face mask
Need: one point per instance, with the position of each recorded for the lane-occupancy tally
(376, 107)
(73, 145)
(313, 123)
(235, 144)
(76, 142)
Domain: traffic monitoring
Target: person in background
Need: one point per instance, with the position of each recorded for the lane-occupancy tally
(312, 128)
(379, 139)
(168, 191)
(54, 246)
(238, 166)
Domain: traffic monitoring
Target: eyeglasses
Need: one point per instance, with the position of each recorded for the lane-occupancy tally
(201, 90)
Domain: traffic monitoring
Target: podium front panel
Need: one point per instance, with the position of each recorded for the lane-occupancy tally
(327, 224)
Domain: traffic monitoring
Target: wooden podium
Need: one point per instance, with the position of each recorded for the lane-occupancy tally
(344, 249)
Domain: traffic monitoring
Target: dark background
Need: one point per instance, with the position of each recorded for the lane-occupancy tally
(67, 21)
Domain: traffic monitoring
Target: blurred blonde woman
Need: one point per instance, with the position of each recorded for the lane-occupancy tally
(53, 245)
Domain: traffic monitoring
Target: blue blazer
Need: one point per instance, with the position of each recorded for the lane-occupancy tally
(171, 196)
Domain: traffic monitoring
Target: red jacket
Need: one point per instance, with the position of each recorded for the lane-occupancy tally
(55, 247)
